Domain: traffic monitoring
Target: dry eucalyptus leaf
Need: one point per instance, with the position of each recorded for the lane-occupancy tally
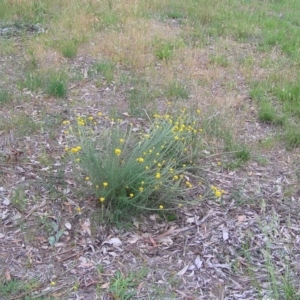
(225, 234)
(198, 262)
(116, 242)
(182, 272)
(68, 225)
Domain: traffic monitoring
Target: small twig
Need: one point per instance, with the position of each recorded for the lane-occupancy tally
(34, 209)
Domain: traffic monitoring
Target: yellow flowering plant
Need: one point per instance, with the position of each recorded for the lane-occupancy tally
(130, 171)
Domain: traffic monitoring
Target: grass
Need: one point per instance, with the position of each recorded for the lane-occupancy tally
(134, 172)
(5, 97)
(52, 82)
(14, 288)
(106, 69)
(125, 286)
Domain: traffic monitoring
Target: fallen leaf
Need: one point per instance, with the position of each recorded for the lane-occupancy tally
(225, 234)
(105, 285)
(68, 225)
(241, 218)
(86, 227)
(134, 239)
(192, 220)
(198, 262)
(166, 240)
(182, 272)
(116, 242)
(6, 201)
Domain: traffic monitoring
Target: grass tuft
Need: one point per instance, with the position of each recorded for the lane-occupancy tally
(130, 172)
(5, 97)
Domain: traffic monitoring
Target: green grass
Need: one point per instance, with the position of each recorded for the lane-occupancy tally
(125, 286)
(13, 288)
(267, 113)
(20, 124)
(177, 90)
(52, 82)
(5, 97)
(56, 86)
(106, 69)
(69, 48)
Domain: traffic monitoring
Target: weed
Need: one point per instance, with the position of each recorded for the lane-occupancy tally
(56, 86)
(177, 90)
(123, 287)
(291, 136)
(219, 60)
(56, 234)
(20, 125)
(19, 199)
(69, 48)
(267, 114)
(14, 288)
(106, 69)
(33, 81)
(5, 97)
(164, 50)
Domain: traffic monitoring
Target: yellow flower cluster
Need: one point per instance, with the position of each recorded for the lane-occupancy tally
(74, 149)
(80, 121)
(218, 193)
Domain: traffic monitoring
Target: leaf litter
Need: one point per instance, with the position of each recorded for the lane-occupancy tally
(206, 247)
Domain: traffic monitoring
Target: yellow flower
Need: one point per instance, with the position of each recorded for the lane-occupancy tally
(105, 184)
(87, 178)
(157, 175)
(99, 114)
(97, 186)
(147, 136)
(140, 159)
(53, 283)
(188, 184)
(179, 205)
(161, 207)
(131, 195)
(74, 150)
(121, 141)
(218, 194)
(147, 168)
(102, 199)
(157, 153)
(66, 148)
(78, 209)
(66, 122)
(219, 163)
(91, 118)
(198, 111)
(175, 177)
(77, 159)
(118, 152)
(80, 122)
(141, 189)
(213, 188)
(159, 165)
(176, 137)
(142, 182)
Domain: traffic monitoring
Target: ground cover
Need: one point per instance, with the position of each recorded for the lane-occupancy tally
(215, 216)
